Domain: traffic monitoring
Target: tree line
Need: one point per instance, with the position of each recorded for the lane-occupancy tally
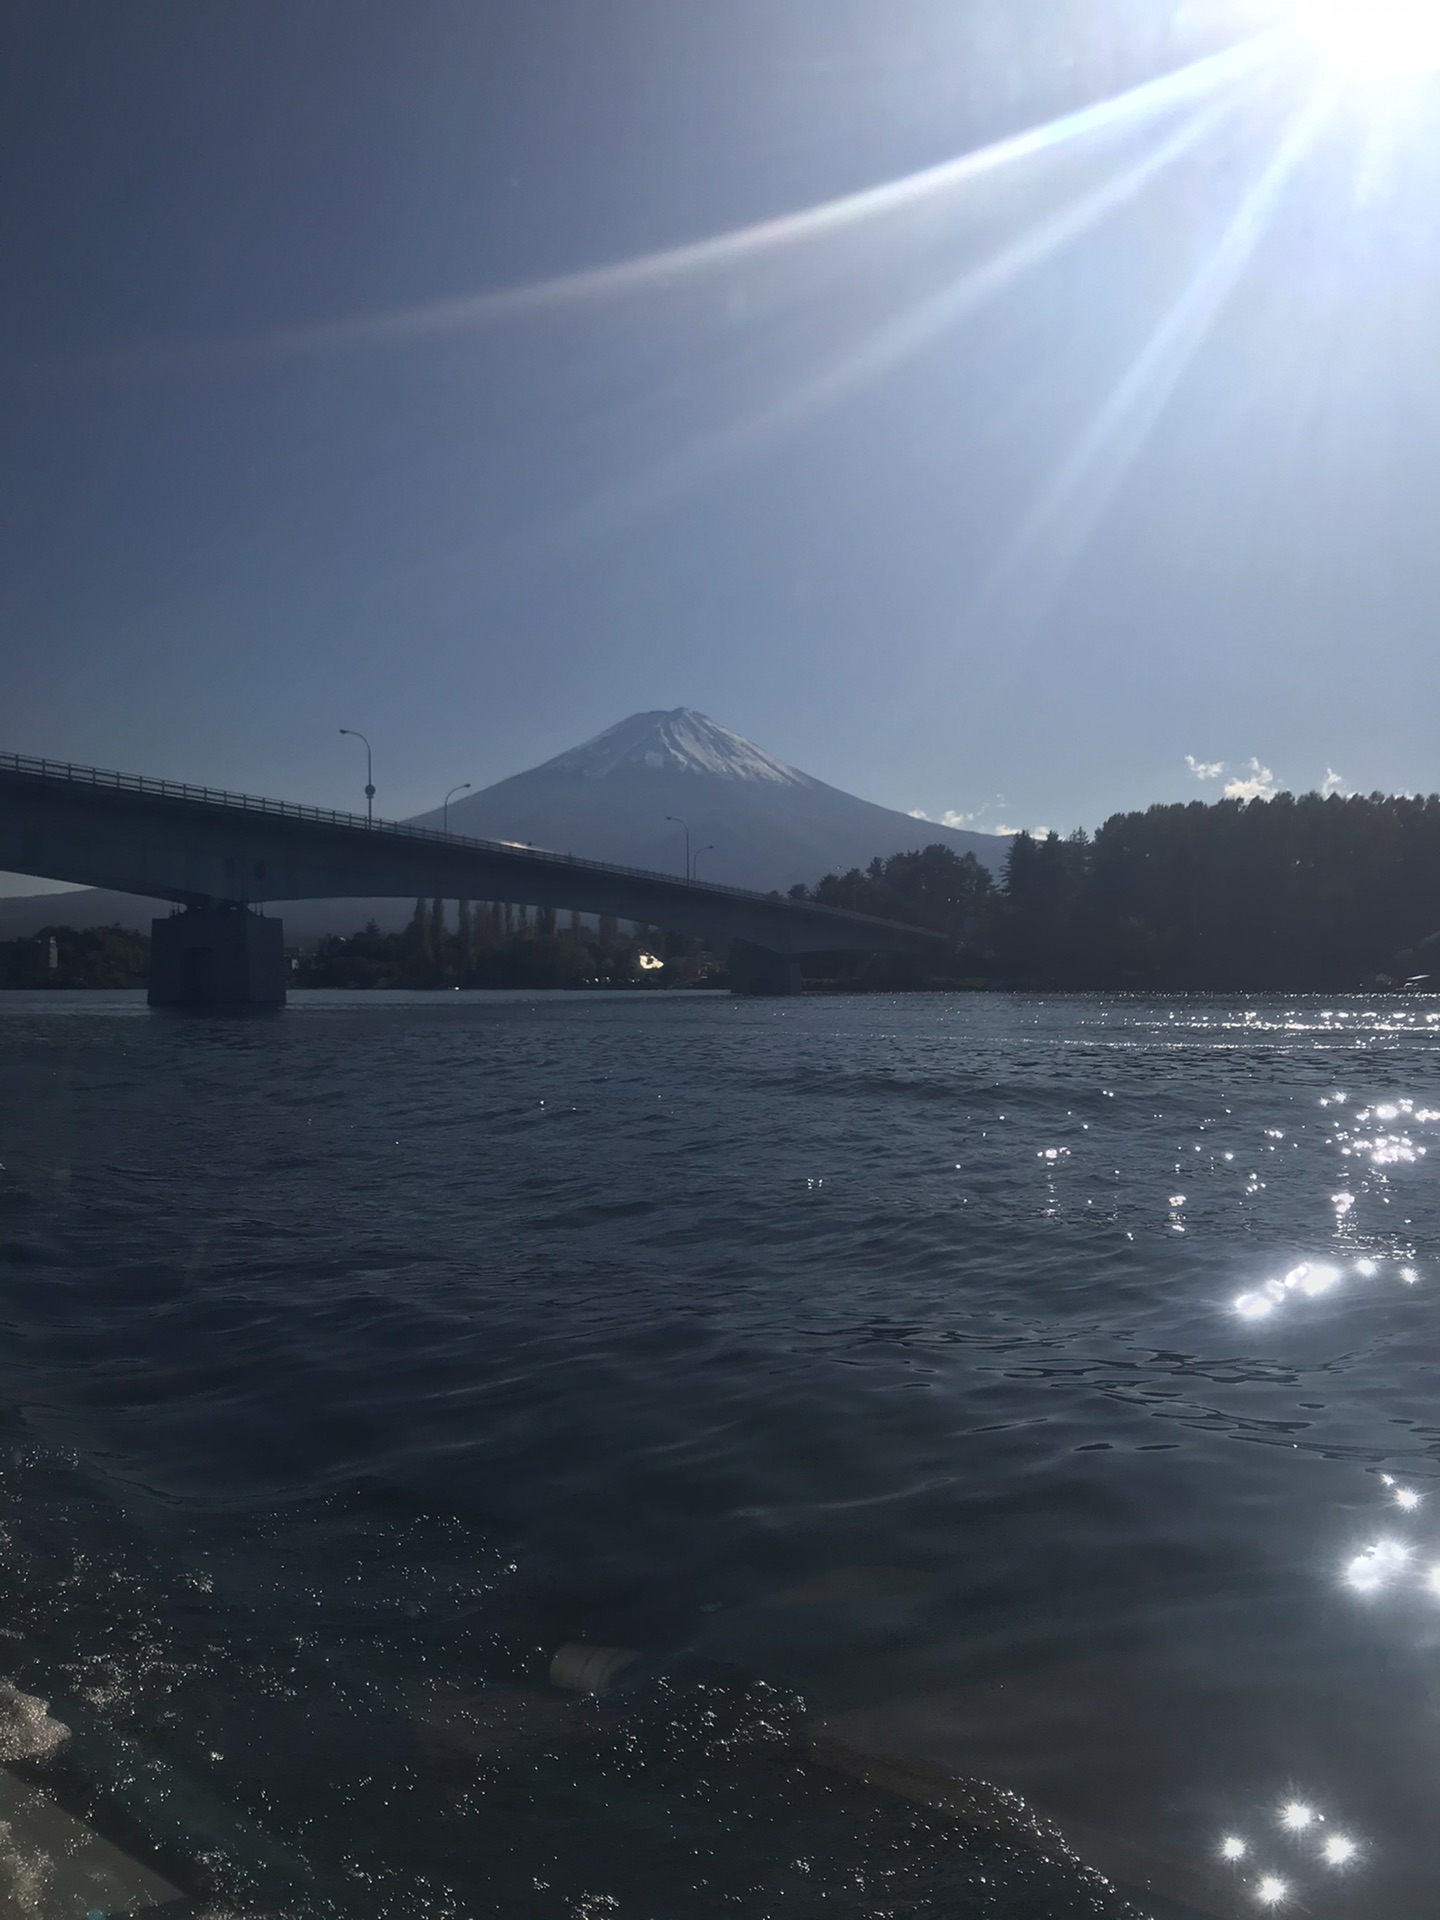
(494, 944)
(64, 957)
(1291, 894)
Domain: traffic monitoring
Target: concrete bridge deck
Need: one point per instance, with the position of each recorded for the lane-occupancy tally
(216, 853)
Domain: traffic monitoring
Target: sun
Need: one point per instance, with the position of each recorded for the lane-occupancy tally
(1373, 39)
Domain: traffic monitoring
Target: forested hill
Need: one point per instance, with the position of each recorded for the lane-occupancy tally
(1288, 893)
(1291, 894)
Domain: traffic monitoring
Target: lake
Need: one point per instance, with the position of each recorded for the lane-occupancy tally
(1035, 1390)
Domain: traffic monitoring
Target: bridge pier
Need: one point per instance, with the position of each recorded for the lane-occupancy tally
(223, 957)
(756, 970)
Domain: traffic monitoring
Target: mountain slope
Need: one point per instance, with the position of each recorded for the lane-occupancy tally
(760, 822)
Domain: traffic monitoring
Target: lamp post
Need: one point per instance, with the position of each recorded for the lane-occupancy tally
(709, 847)
(464, 787)
(676, 821)
(355, 734)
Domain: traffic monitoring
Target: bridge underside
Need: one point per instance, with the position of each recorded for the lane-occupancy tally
(214, 855)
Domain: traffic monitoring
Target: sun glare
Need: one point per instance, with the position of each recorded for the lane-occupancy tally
(1374, 38)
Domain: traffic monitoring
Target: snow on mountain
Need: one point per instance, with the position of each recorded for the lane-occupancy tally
(679, 742)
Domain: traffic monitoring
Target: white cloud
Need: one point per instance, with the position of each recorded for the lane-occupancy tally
(953, 817)
(1258, 784)
(1334, 783)
(1205, 769)
(1036, 833)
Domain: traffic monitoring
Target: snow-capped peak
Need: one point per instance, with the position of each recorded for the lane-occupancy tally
(681, 741)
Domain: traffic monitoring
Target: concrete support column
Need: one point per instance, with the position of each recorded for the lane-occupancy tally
(755, 970)
(223, 957)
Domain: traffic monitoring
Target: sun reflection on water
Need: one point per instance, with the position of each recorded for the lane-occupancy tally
(1366, 1149)
(1388, 1562)
(1383, 1148)
(1310, 1277)
(1377, 1566)
(1301, 1823)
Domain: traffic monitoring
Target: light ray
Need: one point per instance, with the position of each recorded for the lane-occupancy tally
(1099, 461)
(653, 271)
(1151, 100)
(890, 346)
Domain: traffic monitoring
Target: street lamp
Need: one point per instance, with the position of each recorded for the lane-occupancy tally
(695, 862)
(676, 821)
(369, 776)
(445, 805)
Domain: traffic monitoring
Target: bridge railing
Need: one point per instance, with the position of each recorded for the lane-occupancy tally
(328, 816)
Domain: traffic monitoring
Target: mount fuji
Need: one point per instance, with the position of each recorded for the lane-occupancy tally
(753, 820)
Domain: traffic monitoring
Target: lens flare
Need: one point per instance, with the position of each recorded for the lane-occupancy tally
(1272, 1890)
(1232, 1847)
(1297, 1816)
(1338, 1851)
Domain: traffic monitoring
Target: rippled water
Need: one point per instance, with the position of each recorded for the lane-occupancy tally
(1043, 1388)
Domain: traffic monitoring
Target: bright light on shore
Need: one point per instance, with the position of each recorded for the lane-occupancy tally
(1366, 39)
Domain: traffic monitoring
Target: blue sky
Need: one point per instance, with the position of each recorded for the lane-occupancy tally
(997, 495)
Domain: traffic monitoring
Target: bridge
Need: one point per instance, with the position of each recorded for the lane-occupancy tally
(216, 854)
